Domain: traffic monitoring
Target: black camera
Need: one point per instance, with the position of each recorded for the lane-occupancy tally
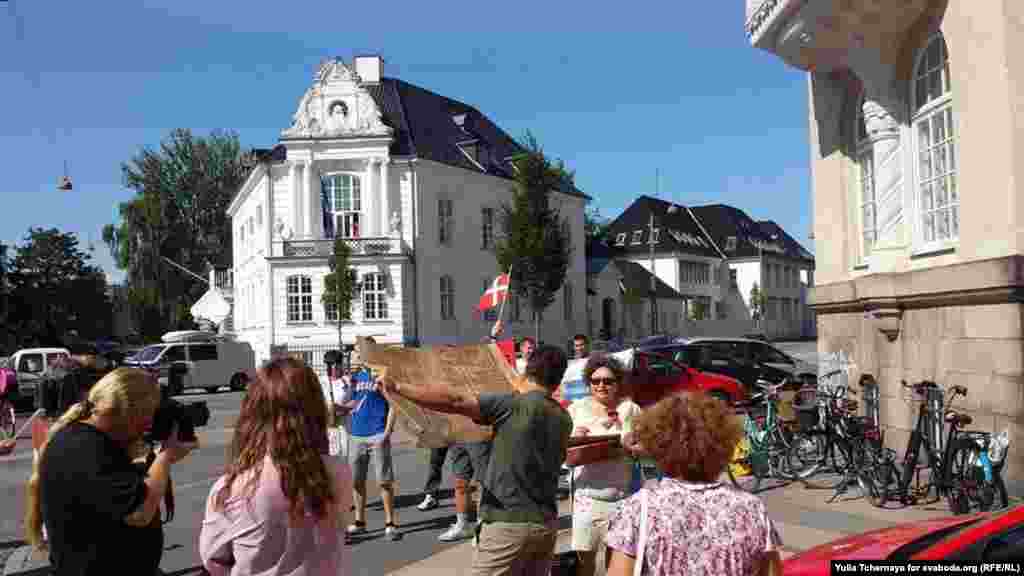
(188, 417)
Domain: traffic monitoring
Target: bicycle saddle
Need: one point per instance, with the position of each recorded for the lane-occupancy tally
(959, 419)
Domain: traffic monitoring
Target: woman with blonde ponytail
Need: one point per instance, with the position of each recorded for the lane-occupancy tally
(99, 509)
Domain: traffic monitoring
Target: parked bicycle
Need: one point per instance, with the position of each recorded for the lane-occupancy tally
(966, 470)
(766, 440)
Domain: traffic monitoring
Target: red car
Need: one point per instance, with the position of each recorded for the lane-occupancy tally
(655, 376)
(986, 537)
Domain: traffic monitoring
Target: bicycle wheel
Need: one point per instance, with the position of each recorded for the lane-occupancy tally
(806, 454)
(7, 421)
(968, 487)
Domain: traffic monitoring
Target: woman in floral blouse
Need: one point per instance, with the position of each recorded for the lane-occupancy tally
(695, 525)
(599, 485)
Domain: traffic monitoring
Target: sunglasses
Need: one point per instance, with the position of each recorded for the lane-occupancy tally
(604, 381)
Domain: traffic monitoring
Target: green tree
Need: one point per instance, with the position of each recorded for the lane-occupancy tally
(595, 227)
(756, 302)
(339, 284)
(55, 292)
(698, 309)
(182, 190)
(535, 243)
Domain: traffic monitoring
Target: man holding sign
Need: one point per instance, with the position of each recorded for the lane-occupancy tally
(531, 435)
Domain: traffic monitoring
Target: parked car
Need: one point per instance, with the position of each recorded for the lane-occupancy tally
(744, 359)
(197, 359)
(986, 537)
(655, 375)
(30, 364)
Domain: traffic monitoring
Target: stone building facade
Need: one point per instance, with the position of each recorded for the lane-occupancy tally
(917, 135)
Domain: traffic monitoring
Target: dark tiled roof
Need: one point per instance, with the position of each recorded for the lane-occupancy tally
(792, 248)
(425, 127)
(723, 221)
(678, 232)
(637, 280)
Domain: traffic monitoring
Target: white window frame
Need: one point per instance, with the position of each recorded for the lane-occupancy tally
(655, 236)
(299, 298)
(375, 296)
(348, 217)
(638, 236)
(620, 239)
(447, 291)
(939, 107)
(865, 193)
(486, 227)
(445, 221)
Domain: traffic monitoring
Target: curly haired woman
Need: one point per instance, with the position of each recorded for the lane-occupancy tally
(280, 508)
(694, 524)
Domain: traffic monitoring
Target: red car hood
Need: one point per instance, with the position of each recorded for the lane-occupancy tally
(874, 545)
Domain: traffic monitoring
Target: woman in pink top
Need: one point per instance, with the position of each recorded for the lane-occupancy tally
(279, 510)
(695, 525)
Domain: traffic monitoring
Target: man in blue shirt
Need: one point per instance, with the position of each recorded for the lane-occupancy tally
(370, 437)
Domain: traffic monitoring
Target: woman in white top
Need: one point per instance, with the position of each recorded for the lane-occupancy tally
(599, 485)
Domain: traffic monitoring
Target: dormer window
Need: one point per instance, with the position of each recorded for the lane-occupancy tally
(620, 239)
(730, 243)
(459, 119)
(638, 236)
(655, 236)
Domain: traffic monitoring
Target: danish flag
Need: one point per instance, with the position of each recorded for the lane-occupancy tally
(494, 295)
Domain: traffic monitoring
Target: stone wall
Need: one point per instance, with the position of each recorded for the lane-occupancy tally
(980, 347)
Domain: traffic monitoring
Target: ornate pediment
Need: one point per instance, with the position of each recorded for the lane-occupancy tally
(336, 106)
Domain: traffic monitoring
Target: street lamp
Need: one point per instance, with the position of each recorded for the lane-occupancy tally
(672, 209)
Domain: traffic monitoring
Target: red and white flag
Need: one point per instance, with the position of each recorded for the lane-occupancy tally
(494, 295)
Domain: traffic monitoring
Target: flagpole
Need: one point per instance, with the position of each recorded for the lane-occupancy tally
(501, 311)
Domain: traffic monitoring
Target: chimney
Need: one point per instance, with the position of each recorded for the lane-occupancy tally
(370, 68)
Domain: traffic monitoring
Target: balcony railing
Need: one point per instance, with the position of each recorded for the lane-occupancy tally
(222, 280)
(381, 246)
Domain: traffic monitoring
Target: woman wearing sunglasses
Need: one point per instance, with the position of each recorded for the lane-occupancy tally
(599, 485)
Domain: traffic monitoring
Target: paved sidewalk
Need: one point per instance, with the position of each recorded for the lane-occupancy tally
(803, 517)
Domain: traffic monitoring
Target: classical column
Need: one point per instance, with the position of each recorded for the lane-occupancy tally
(385, 189)
(884, 136)
(296, 190)
(314, 226)
(367, 224)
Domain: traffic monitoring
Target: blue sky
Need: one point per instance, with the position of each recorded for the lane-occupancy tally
(618, 94)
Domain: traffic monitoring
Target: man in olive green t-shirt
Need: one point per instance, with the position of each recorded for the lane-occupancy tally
(531, 435)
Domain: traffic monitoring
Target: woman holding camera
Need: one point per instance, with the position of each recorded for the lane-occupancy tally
(101, 510)
(281, 507)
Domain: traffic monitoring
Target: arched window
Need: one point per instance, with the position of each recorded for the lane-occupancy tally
(938, 199)
(861, 151)
(344, 199)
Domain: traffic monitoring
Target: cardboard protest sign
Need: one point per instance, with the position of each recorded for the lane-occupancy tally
(477, 368)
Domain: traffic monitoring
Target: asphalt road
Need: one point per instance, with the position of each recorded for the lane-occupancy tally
(371, 553)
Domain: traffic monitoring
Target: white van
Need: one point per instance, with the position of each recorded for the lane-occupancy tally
(198, 359)
(30, 364)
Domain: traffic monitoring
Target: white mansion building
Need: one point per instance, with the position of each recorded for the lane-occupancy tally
(414, 182)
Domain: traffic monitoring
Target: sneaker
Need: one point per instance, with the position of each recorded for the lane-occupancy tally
(457, 532)
(391, 532)
(356, 527)
(429, 502)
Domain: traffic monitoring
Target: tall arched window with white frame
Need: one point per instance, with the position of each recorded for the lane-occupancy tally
(345, 199)
(864, 161)
(938, 198)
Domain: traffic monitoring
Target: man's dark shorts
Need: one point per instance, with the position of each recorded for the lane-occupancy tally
(469, 460)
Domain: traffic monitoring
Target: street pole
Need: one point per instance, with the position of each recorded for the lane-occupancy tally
(654, 281)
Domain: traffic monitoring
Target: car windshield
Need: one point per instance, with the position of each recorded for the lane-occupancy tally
(149, 353)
